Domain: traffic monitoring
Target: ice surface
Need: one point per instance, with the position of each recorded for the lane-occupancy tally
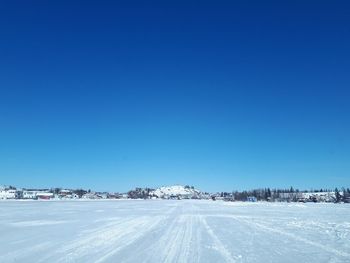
(173, 231)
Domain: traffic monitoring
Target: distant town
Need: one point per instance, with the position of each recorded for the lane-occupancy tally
(178, 192)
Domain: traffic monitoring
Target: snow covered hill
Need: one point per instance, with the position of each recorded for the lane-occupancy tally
(176, 191)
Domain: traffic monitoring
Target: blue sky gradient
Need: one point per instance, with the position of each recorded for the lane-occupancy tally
(110, 95)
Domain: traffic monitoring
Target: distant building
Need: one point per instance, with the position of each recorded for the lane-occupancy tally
(9, 193)
(90, 196)
(33, 193)
(64, 193)
(103, 195)
(252, 199)
(29, 194)
(229, 198)
(44, 195)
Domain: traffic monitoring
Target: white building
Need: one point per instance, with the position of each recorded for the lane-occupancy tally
(8, 193)
(29, 194)
(91, 196)
(34, 193)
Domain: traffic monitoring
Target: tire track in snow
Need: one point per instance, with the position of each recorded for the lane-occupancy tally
(219, 246)
(130, 237)
(104, 242)
(23, 253)
(291, 235)
(177, 239)
(176, 243)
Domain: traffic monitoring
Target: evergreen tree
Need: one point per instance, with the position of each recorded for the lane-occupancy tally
(337, 195)
(265, 195)
(344, 194)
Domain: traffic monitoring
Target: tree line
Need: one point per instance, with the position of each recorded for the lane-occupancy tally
(268, 194)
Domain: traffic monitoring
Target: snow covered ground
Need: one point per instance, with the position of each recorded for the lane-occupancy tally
(173, 231)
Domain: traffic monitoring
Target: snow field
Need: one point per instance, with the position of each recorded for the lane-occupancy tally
(173, 231)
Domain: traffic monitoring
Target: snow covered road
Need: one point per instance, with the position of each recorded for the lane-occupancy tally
(173, 231)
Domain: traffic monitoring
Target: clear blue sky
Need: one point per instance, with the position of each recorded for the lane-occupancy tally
(110, 95)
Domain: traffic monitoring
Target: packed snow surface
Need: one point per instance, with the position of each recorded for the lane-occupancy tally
(173, 231)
